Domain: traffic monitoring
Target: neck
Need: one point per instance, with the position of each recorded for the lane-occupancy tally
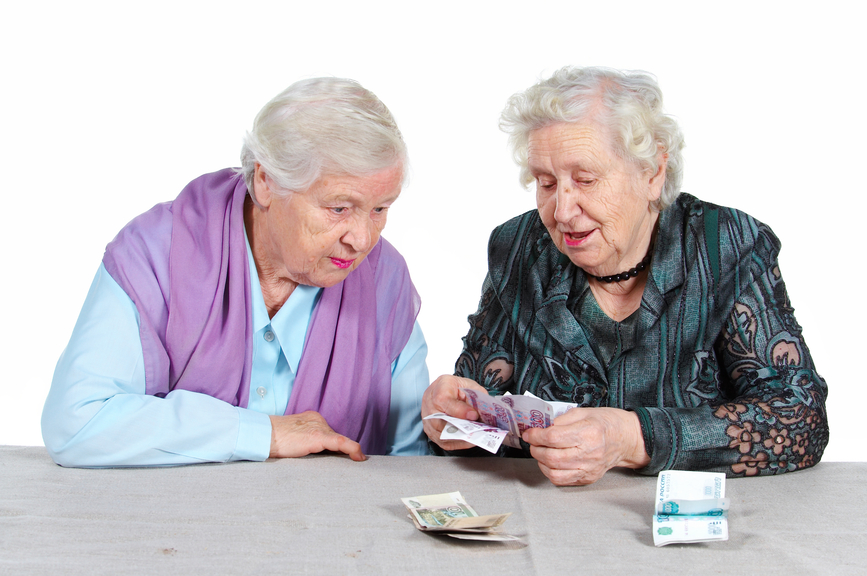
(619, 295)
(276, 287)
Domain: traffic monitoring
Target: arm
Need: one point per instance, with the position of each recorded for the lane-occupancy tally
(409, 379)
(772, 415)
(97, 412)
(482, 361)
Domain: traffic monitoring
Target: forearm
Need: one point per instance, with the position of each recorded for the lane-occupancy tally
(98, 414)
(139, 430)
(409, 380)
(780, 431)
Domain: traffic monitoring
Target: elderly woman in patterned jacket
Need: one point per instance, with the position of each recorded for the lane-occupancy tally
(665, 318)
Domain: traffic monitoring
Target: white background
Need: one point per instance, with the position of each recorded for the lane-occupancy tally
(108, 108)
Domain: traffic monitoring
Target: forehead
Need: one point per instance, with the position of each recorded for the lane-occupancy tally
(380, 185)
(568, 142)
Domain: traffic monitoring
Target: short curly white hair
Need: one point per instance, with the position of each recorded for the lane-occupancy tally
(629, 103)
(321, 126)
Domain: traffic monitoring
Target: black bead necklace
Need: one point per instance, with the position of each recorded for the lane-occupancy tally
(631, 273)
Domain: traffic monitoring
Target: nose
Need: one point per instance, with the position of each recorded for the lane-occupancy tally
(362, 234)
(567, 206)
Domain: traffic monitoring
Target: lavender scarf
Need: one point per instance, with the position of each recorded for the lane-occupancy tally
(184, 265)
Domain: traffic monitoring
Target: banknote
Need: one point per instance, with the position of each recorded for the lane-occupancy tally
(482, 435)
(450, 514)
(690, 507)
(503, 419)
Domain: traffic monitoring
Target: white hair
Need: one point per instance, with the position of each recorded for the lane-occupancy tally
(321, 126)
(628, 103)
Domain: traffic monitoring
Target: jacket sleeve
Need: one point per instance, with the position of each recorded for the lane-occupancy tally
(772, 417)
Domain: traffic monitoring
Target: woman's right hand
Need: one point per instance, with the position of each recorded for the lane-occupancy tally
(444, 395)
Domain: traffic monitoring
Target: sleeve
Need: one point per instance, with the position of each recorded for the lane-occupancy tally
(409, 380)
(487, 355)
(486, 360)
(97, 413)
(773, 419)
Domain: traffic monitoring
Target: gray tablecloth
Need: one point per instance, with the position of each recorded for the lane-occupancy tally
(329, 515)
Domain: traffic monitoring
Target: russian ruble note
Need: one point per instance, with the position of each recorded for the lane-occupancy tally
(558, 408)
(690, 507)
(449, 513)
(482, 435)
(492, 411)
(503, 419)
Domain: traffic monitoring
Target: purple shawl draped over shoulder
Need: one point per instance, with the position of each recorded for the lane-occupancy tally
(184, 265)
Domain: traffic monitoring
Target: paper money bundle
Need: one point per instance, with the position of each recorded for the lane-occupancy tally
(450, 515)
(503, 419)
(690, 507)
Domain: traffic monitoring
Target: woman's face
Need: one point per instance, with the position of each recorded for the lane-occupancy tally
(317, 237)
(595, 205)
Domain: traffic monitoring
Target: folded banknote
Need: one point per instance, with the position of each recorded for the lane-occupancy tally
(451, 515)
(690, 507)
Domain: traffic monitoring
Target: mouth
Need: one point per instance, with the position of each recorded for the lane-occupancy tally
(341, 263)
(576, 238)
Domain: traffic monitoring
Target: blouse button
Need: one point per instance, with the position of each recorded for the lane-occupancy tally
(269, 336)
(261, 391)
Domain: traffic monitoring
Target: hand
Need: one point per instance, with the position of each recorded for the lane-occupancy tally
(307, 433)
(584, 443)
(444, 395)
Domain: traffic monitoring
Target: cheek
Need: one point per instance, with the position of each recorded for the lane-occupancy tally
(546, 204)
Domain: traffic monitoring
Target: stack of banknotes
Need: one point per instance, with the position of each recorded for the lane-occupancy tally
(690, 507)
(503, 419)
(450, 514)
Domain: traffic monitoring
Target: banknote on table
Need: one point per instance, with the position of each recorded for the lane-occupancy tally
(690, 507)
(503, 419)
(450, 515)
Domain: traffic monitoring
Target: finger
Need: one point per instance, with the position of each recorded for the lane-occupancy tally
(558, 435)
(572, 416)
(567, 477)
(459, 409)
(338, 443)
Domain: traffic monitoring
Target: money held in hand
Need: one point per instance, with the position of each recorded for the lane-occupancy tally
(503, 419)
(451, 515)
(690, 507)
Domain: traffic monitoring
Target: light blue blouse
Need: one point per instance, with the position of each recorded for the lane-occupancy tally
(97, 413)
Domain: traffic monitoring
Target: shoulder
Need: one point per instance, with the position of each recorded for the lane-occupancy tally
(524, 263)
(522, 228)
(145, 242)
(722, 237)
(519, 239)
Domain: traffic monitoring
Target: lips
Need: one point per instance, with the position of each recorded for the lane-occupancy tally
(576, 238)
(341, 263)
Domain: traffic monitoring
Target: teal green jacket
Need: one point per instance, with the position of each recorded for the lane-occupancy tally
(713, 362)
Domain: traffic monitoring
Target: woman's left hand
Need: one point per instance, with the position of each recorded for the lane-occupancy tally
(584, 443)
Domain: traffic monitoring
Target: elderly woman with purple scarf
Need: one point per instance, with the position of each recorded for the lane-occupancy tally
(259, 313)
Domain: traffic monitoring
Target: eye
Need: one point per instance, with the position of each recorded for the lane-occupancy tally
(338, 209)
(546, 184)
(381, 210)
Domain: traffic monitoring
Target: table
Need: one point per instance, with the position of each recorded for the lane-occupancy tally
(325, 514)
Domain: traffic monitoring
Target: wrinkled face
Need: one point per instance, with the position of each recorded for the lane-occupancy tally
(317, 237)
(595, 205)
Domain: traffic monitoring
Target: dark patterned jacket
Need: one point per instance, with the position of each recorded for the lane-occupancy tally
(713, 361)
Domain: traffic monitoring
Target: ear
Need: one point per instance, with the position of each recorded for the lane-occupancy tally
(657, 179)
(262, 187)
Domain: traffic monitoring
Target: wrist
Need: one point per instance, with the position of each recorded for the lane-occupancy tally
(636, 456)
